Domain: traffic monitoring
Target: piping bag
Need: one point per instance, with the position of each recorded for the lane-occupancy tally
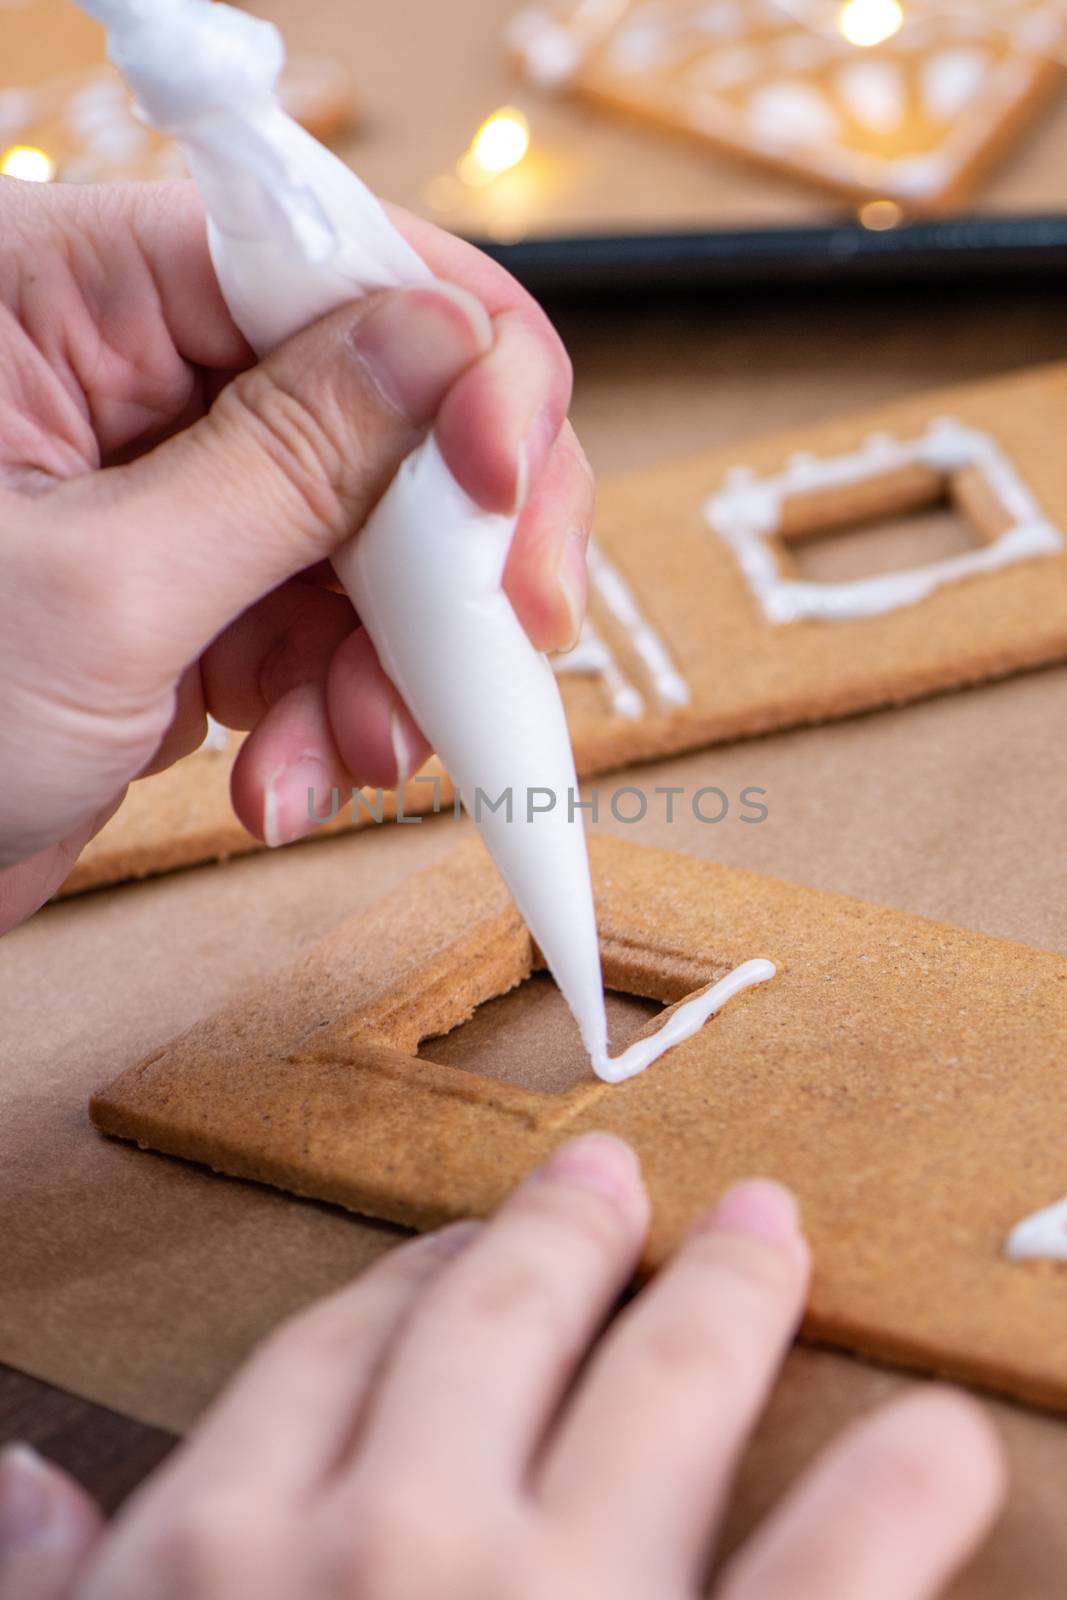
(293, 234)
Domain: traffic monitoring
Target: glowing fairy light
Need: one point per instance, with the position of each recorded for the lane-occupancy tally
(23, 161)
(500, 144)
(870, 22)
(881, 215)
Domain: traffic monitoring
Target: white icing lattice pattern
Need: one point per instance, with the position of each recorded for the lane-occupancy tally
(778, 78)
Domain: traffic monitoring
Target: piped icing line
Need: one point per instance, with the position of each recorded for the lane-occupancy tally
(619, 600)
(217, 738)
(747, 513)
(1040, 1236)
(682, 1023)
(592, 658)
(293, 234)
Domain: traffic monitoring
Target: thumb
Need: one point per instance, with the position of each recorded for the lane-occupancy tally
(288, 463)
(47, 1527)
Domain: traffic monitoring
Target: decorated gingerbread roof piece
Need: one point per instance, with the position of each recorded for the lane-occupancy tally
(906, 101)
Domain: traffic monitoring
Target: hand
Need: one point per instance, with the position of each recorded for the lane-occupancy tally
(167, 508)
(454, 1425)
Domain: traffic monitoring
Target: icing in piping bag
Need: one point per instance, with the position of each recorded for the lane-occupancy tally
(294, 234)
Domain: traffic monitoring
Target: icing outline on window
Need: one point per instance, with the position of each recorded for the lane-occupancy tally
(747, 513)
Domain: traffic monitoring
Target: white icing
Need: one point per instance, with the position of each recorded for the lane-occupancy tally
(1039, 34)
(617, 597)
(657, 35)
(1040, 1236)
(784, 112)
(648, 39)
(771, 45)
(949, 81)
(550, 52)
(448, 638)
(552, 49)
(294, 233)
(747, 513)
(873, 91)
(217, 737)
(683, 1023)
(592, 658)
(919, 176)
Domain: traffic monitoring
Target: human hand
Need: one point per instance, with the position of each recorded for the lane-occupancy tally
(167, 508)
(455, 1425)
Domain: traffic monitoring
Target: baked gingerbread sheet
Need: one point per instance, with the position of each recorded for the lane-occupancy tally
(703, 628)
(903, 1076)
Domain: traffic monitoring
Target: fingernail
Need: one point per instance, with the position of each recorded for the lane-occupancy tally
(597, 1161)
(572, 575)
(760, 1207)
(415, 343)
(28, 1511)
(298, 796)
(407, 750)
(535, 446)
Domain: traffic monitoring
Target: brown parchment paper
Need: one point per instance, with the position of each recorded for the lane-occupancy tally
(141, 1282)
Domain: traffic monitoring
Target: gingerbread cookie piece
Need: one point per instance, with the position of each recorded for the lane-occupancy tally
(904, 1077)
(183, 817)
(704, 629)
(903, 103)
(701, 629)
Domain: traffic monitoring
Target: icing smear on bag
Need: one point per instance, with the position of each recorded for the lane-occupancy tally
(294, 234)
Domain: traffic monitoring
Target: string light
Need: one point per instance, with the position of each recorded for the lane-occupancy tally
(881, 215)
(499, 144)
(870, 22)
(23, 161)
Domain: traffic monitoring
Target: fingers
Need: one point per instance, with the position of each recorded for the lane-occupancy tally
(374, 732)
(499, 422)
(294, 1409)
(545, 577)
(287, 464)
(889, 1512)
(319, 742)
(476, 1376)
(48, 1525)
(288, 639)
(186, 731)
(27, 885)
(677, 1385)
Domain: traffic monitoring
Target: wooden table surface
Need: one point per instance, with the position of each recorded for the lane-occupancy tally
(107, 1453)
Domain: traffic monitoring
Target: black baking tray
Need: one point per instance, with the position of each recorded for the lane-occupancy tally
(963, 248)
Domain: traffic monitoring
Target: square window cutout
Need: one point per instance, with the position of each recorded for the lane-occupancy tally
(891, 543)
(528, 1037)
(968, 512)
